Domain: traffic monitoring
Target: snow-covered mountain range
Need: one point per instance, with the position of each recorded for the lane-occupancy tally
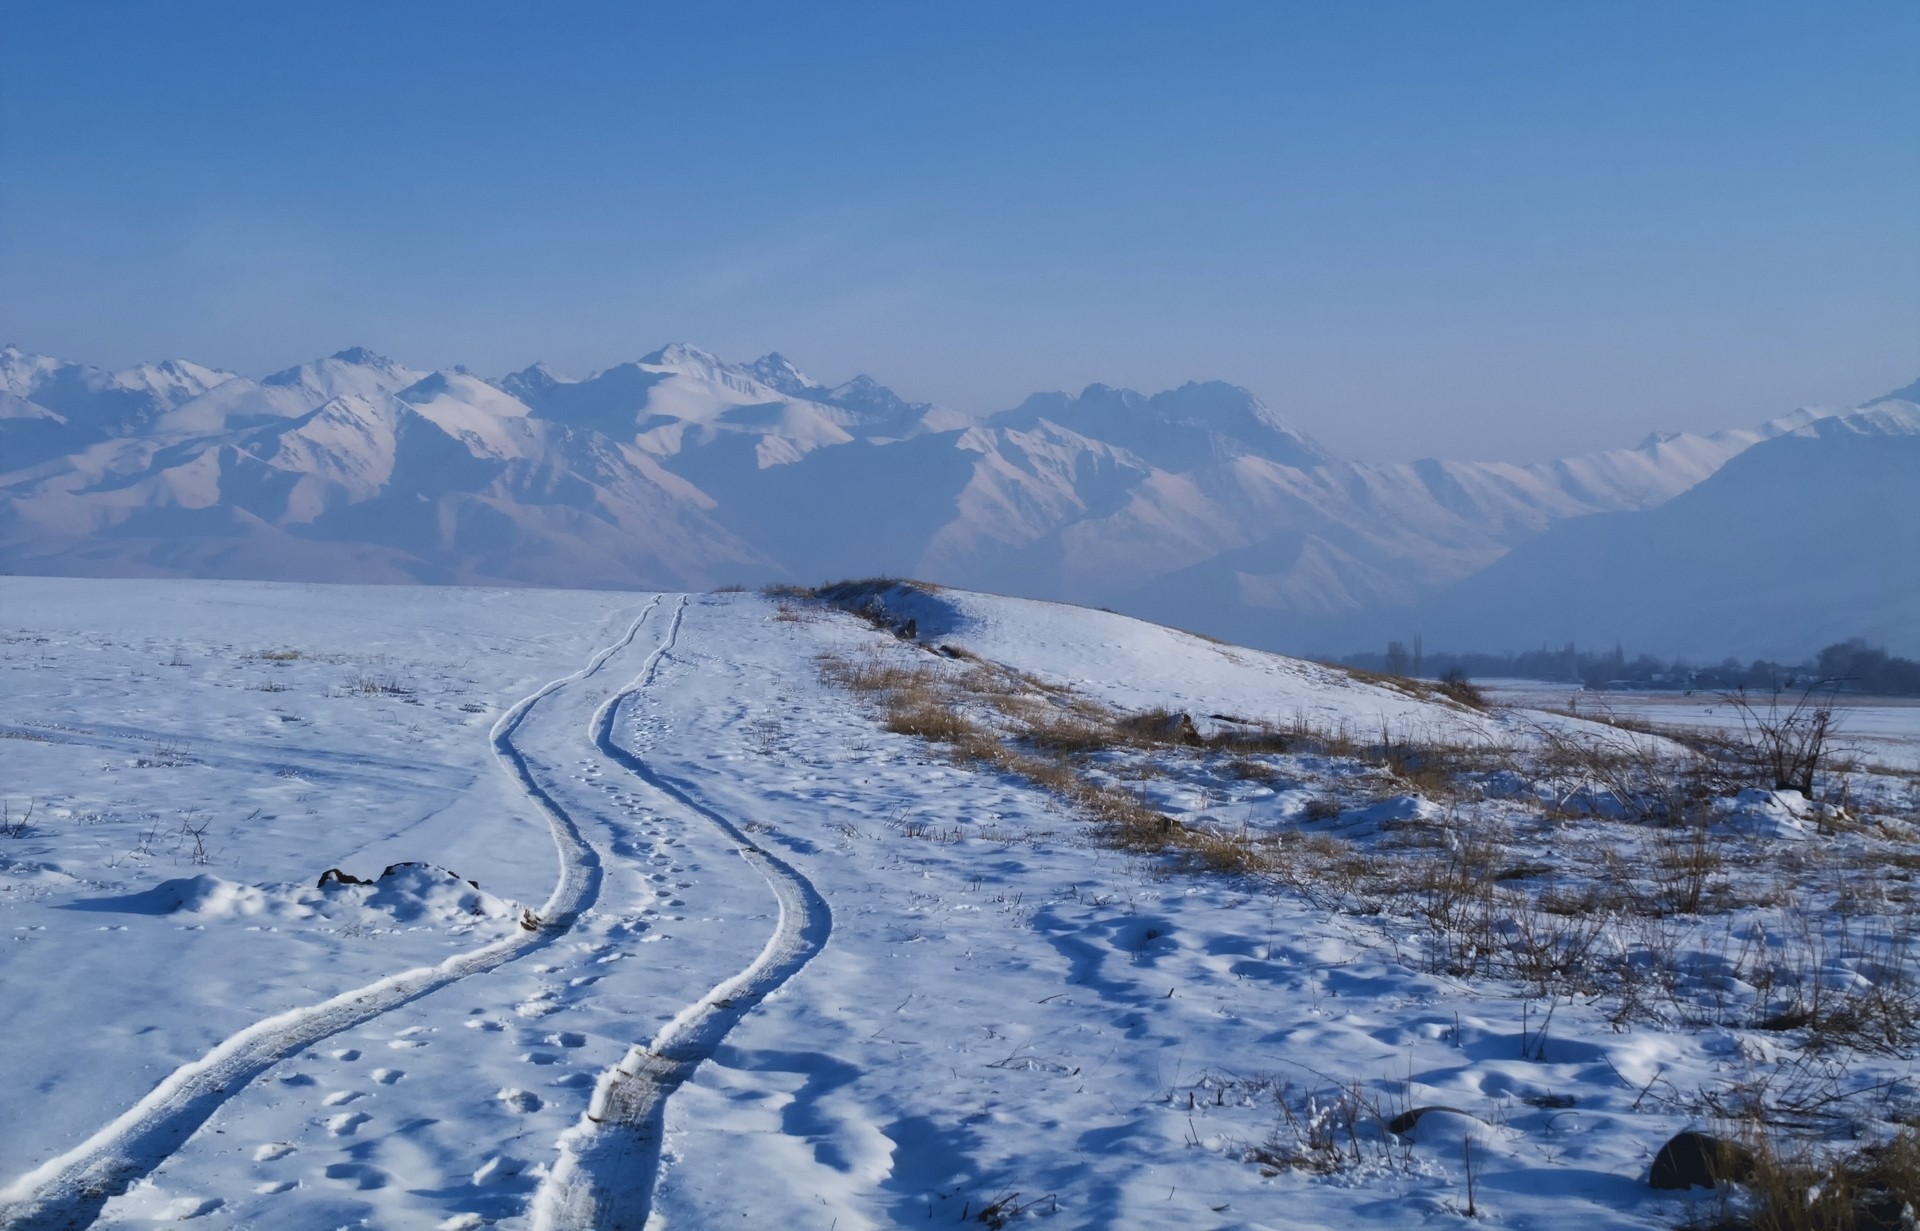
(1198, 506)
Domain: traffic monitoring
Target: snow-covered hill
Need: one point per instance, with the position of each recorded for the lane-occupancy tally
(1199, 506)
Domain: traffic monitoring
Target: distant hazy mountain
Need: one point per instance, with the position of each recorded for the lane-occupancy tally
(1199, 506)
(1799, 542)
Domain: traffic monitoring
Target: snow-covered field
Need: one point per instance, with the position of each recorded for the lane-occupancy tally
(674, 931)
(1874, 730)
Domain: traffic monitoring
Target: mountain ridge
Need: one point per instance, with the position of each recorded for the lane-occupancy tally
(1198, 505)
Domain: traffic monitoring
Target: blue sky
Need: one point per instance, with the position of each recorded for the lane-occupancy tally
(1463, 229)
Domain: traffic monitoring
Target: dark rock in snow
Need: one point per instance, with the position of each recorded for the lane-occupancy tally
(1695, 1159)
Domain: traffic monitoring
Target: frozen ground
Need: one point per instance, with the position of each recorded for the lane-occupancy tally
(737, 955)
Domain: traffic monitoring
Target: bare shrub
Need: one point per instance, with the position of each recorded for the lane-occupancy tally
(1784, 742)
(1455, 686)
(1326, 1131)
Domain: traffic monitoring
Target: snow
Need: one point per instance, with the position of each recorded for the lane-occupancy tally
(738, 955)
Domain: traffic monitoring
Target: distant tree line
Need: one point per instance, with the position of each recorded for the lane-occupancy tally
(1854, 665)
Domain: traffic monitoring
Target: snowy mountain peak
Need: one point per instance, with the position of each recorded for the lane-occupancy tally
(361, 357)
(530, 383)
(171, 382)
(687, 358)
(22, 371)
(355, 371)
(1200, 423)
(776, 371)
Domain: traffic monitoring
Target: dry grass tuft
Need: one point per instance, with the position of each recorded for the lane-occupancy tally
(1793, 1187)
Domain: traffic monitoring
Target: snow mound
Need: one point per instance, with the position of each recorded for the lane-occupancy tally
(413, 893)
(404, 895)
(1755, 813)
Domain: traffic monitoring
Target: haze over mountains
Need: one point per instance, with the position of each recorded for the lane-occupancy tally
(1198, 506)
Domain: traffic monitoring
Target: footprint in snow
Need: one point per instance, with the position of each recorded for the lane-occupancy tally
(340, 1098)
(522, 1101)
(496, 1169)
(387, 1077)
(347, 1123)
(272, 1150)
(190, 1207)
(349, 1054)
(359, 1175)
(275, 1187)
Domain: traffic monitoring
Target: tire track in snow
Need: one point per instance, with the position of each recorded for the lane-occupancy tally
(69, 1192)
(609, 1162)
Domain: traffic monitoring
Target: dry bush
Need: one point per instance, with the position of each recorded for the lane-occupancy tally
(1455, 686)
(1784, 745)
(1326, 1132)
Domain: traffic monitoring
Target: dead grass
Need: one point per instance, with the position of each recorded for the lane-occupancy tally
(981, 714)
(371, 684)
(1793, 1186)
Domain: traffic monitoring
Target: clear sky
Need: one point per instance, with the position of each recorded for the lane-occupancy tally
(1461, 229)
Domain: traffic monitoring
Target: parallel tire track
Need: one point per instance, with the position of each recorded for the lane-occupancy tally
(609, 1162)
(69, 1192)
